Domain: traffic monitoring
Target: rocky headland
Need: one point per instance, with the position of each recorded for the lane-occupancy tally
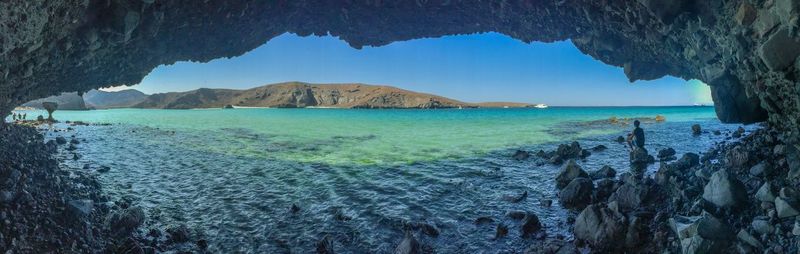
(302, 95)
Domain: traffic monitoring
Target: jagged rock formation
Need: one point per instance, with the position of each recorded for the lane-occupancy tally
(299, 95)
(746, 50)
(118, 99)
(65, 101)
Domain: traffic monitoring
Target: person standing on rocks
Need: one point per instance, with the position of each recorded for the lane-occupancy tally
(636, 138)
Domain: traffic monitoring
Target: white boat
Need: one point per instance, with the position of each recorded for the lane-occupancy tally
(540, 105)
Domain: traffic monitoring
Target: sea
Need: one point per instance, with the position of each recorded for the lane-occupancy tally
(360, 176)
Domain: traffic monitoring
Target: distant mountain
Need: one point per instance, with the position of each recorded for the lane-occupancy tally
(119, 99)
(299, 95)
(66, 101)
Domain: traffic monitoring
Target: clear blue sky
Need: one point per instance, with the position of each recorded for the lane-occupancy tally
(473, 68)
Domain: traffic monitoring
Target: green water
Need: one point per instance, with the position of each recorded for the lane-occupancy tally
(347, 136)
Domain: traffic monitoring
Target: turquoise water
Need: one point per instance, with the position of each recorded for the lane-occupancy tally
(345, 136)
(233, 174)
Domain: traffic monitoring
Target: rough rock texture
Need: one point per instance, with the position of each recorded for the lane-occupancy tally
(299, 95)
(746, 50)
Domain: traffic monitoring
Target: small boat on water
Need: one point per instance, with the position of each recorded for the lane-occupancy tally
(540, 105)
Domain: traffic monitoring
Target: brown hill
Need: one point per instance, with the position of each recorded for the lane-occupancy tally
(299, 95)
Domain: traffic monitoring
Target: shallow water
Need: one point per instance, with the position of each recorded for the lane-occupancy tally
(235, 173)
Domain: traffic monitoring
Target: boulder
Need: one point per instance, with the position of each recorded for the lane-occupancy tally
(780, 50)
(501, 231)
(793, 161)
(785, 207)
(531, 225)
(738, 157)
(577, 194)
(600, 227)
(745, 14)
(61, 140)
(639, 156)
(667, 154)
(620, 139)
(696, 130)
(686, 161)
(122, 223)
(178, 234)
(762, 226)
(761, 169)
(605, 187)
(408, 245)
(599, 148)
(521, 155)
(569, 171)
(604, 172)
(516, 198)
(701, 234)
(630, 196)
(660, 118)
(724, 190)
(749, 239)
(80, 209)
(765, 193)
(325, 245)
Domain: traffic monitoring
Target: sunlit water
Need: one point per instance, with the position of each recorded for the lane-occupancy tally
(235, 173)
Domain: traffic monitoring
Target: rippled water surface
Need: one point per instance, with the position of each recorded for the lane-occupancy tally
(358, 175)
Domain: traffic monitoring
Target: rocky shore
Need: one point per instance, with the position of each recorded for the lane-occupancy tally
(739, 197)
(47, 209)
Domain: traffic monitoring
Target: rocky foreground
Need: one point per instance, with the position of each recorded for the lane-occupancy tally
(46, 209)
(739, 197)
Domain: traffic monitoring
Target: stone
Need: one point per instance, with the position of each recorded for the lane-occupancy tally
(516, 198)
(521, 155)
(696, 130)
(724, 190)
(765, 193)
(762, 226)
(325, 245)
(531, 225)
(745, 14)
(780, 50)
(605, 187)
(122, 223)
(61, 140)
(687, 161)
(501, 231)
(599, 148)
(660, 118)
(577, 194)
(630, 196)
(516, 215)
(483, 220)
(639, 156)
(103, 169)
(80, 208)
(784, 208)
(796, 228)
(761, 169)
(600, 227)
(793, 161)
(699, 234)
(666, 154)
(569, 171)
(749, 239)
(294, 208)
(408, 245)
(604, 172)
(178, 234)
(737, 157)
(620, 139)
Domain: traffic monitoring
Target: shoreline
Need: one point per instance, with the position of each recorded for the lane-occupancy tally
(658, 204)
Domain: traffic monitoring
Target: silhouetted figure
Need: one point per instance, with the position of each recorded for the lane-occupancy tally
(636, 138)
(13, 116)
(24, 116)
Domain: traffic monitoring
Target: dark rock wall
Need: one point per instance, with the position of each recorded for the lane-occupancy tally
(746, 50)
